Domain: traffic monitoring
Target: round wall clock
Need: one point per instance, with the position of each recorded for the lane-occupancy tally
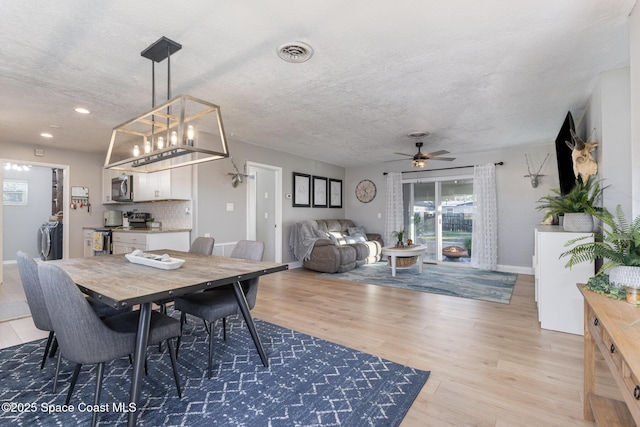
(365, 191)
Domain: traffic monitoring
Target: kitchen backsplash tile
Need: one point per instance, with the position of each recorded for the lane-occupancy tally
(171, 214)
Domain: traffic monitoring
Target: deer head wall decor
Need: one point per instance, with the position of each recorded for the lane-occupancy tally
(534, 176)
(584, 165)
(237, 177)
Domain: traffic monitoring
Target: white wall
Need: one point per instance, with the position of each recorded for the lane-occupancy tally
(634, 60)
(609, 114)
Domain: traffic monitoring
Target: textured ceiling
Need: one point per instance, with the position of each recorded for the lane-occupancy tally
(477, 75)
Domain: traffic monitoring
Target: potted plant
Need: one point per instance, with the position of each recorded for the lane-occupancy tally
(576, 205)
(618, 244)
(467, 245)
(399, 235)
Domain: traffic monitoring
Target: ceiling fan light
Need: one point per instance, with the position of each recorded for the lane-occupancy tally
(419, 163)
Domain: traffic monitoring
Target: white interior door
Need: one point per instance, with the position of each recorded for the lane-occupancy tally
(264, 208)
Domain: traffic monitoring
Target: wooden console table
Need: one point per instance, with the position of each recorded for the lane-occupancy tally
(606, 326)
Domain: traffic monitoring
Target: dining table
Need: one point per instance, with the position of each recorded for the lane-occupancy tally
(121, 284)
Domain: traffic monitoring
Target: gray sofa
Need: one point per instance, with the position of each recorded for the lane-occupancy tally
(334, 245)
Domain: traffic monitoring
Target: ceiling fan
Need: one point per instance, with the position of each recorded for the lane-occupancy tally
(419, 160)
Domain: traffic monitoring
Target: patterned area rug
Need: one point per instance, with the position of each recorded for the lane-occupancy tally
(464, 282)
(310, 382)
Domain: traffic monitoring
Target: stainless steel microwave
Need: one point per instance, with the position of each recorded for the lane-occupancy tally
(122, 188)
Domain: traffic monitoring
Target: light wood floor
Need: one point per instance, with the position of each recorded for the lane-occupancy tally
(490, 363)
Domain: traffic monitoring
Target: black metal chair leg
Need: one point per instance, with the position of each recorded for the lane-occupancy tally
(183, 320)
(74, 378)
(224, 328)
(210, 349)
(174, 364)
(54, 347)
(208, 327)
(46, 348)
(96, 399)
(55, 377)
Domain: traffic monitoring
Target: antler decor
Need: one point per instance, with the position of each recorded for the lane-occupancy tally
(534, 176)
(236, 178)
(584, 165)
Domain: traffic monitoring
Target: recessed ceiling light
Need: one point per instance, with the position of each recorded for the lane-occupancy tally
(82, 110)
(46, 135)
(55, 126)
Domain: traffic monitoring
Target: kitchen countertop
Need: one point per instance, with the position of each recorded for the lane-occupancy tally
(142, 230)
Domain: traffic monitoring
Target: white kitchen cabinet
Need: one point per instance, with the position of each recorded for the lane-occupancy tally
(171, 184)
(125, 242)
(88, 242)
(560, 304)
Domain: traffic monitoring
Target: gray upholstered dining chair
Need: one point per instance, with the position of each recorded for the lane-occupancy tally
(202, 245)
(28, 270)
(85, 338)
(218, 303)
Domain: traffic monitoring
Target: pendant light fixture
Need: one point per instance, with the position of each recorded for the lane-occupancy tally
(180, 132)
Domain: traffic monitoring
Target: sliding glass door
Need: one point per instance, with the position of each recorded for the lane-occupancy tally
(438, 214)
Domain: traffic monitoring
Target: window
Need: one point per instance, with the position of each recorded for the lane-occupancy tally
(15, 192)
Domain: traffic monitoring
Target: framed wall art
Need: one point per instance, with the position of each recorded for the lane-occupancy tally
(319, 192)
(335, 193)
(301, 190)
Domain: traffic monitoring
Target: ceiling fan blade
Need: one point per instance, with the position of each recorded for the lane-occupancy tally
(403, 154)
(437, 153)
(442, 158)
(396, 160)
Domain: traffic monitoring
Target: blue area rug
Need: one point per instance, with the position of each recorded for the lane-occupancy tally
(464, 282)
(310, 382)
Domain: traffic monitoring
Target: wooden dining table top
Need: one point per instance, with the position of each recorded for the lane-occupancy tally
(119, 283)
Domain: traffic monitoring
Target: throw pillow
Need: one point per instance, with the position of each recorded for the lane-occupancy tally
(356, 230)
(337, 238)
(358, 238)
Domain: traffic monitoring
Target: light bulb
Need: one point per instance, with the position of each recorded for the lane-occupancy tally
(7, 166)
(160, 143)
(147, 147)
(136, 151)
(174, 138)
(190, 133)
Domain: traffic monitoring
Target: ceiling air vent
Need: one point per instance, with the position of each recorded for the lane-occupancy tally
(295, 52)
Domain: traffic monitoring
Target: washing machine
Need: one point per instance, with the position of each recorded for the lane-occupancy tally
(50, 240)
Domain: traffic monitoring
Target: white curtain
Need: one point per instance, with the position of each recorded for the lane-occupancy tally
(393, 208)
(484, 250)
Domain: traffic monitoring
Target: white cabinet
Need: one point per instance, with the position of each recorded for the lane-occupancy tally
(560, 304)
(126, 242)
(171, 184)
(87, 238)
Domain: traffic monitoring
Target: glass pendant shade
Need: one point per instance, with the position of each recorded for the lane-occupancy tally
(182, 131)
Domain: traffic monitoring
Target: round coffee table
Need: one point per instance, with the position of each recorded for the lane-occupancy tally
(406, 251)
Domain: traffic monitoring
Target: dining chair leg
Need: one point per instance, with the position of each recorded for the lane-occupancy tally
(208, 327)
(54, 346)
(74, 378)
(96, 399)
(210, 349)
(46, 349)
(55, 377)
(174, 365)
(183, 320)
(224, 328)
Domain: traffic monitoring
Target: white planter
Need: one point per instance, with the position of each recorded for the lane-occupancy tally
(624, 275)
(578, 222)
